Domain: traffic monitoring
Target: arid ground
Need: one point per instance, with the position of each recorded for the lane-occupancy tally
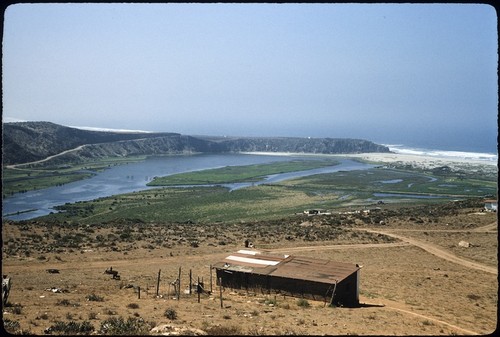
(415, 279)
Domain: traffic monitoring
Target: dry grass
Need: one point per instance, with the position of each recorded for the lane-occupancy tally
(420, 293)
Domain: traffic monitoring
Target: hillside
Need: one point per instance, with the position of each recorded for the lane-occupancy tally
(415, 279)
(31, 141)
(25, 142)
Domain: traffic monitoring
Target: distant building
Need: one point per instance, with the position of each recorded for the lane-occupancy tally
(333, 282)
(491, 205)
(317, 212)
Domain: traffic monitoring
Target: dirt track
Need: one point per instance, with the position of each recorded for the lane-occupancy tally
(18, 166)
(437, 251)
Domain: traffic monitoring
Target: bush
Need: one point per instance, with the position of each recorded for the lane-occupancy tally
(119, 326)
(95, 298)
(64, 302)
(171, 314)
(11, 326)
(223, 330)
(17, 309)
(132, 305)
(71, 328)
(271, 301)
(302, 302)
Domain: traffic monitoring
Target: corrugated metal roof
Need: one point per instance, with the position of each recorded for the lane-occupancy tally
(286, 266)
(252, 261)
(315, 270)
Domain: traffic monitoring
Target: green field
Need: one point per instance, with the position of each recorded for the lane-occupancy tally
(351, 190)
(233, 174)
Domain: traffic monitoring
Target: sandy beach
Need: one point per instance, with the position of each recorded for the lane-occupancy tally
(415, 160)
(426, 161)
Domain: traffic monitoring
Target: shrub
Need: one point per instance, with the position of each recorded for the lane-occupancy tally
(271, 301)
(302, 302)
(171, 314)
(224, 330)
(119, 326)
(95, 298)
(17, 309)
(71, 328)
(64, 302)
(11, 326)
(132, 305)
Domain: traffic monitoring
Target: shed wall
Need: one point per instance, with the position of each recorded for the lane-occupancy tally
(346, 291)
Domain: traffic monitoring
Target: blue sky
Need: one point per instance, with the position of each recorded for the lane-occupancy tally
(395, 73)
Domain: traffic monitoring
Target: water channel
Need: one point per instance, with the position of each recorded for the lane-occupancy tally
(134, 177)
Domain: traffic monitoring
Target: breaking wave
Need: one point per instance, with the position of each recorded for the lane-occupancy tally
(402, 149)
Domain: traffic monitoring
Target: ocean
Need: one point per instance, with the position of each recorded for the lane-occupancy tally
(487, 157)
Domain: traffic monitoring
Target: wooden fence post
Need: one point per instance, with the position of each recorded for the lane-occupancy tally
(198, 289)
(210, 279)
(333, 293)
(158, 283)
(139, 292)
(220, 286)
(179, 290)
(190, 281)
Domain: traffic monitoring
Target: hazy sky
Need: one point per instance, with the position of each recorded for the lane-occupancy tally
(389, 73)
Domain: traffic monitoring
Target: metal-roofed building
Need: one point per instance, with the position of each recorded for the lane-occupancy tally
(336, 282)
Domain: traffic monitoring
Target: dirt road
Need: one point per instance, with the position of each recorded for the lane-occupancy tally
(18, 166)
(352, 246)
(435, 250)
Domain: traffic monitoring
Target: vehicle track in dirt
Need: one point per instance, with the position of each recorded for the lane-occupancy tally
(435, 250)
(20, 166)
(393, 305)
(346, 246)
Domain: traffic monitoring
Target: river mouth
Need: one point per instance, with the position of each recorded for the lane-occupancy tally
(133, 177)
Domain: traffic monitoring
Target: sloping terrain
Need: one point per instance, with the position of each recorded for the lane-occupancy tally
(59, 280)
(31, 141)
(25, 142)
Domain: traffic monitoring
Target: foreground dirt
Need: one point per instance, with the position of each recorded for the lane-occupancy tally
(415, 279)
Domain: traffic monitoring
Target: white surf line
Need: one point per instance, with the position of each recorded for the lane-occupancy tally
(437, 251)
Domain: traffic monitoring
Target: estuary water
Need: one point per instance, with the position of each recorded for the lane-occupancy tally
(134, 177)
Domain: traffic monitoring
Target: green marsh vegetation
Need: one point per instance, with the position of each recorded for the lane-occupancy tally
(345, 190)
(26, 177)
(397, 181)
(233, 174)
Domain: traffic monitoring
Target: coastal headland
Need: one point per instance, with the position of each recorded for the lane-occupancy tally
(109, 266)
